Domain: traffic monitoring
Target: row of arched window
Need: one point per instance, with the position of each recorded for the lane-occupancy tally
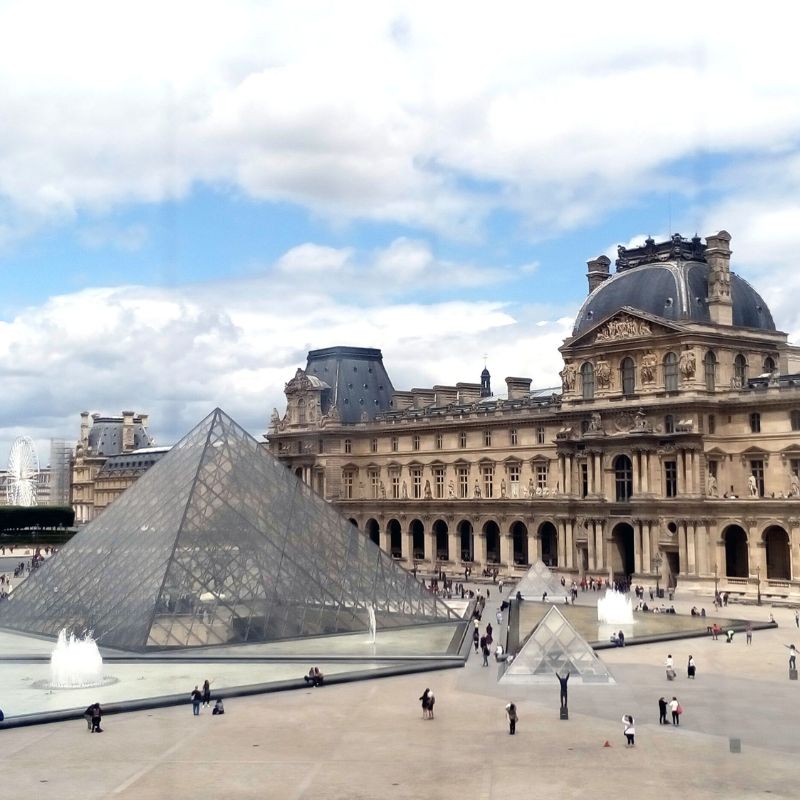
(627, 369)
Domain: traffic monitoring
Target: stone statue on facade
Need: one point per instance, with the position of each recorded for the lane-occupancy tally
(428, 493)
(382, 488)
(595, 422)
(477, 493)
(503, 488)
(567, 377)
(451, 490)
(648, 368)
(687, 364)
(275, 419)
(795, 484)
(602, 372)
(711, 487)
(405, 491)
(531, 490)
(752, 486)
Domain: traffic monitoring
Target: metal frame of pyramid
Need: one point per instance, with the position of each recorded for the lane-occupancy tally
(218, 543)
(555, 646)
(537, 580)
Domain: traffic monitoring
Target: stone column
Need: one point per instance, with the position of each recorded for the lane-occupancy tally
(646, 562)
(794, 546)
(682, 556)
(681, 487)
(385, 539)
(534, 545)
(562, 538)
(691, 555)
(453, 545)
(637, 483)
(599, 552)
(753, 554)
(506, 549)
(599, 488)
(590, 542)
(646, 472)
(569, 543)
(637, 546)
(430, 546)
(702, 542)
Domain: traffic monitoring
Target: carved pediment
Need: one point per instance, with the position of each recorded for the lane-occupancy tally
(626, 324)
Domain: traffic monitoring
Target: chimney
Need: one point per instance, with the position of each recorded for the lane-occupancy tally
(718, 257)
(144, 419)
(518, 388)
(598, 271)
(127, 431)
(85, 429)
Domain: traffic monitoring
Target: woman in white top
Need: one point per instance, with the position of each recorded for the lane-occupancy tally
(629, 730)
(691, 669)
(674, 705)
(670, 668)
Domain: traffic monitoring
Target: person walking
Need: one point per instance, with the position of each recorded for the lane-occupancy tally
(476, 638)
(675, 708)
(426, 703)
(206, 693)
(797, 618)
(485, 651)
(691, 668)
(197, 697)
(511, 713)
(670, 668)
(629, 730)
(662, 711)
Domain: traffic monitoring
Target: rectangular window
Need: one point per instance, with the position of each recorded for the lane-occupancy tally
(347, 484)
(755, 422)
(513, 436)
(513, 480)
(416, 482)
(540, 434)
(795, 417)
(439, 441)
(320, 446)
(348, 446)
(487, 438)
(374, 483)
(395, 444)
(438, 482)
(712, 424)
(487, 473)
(757, 471)
(584, 479)
(395, 487)
(541, 476)
(415, 442)
(462, 439)
(671, 478)
(463, 481)
(373, 445)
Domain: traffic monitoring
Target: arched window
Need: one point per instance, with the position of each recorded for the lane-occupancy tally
(710, 369)
(623, 477)
(348, 446)
(739, 371)
(671, 372)
(769, 365)
(628, 370)
(301, 412)
(587, 381)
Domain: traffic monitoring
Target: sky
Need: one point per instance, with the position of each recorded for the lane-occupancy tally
(193, 194)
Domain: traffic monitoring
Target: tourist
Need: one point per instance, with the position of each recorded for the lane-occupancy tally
(620, 639)
(629, 730)
(748, 633)
(563, 685)
(691, 668)
(206, 693)
(425, 700)
(511, 713)
(500, 587)
(489, 632)
(96, 715)
(431, 703)
(676, 709)
(499, 617)
(314, 677)
(485, 651)
(88, 717)
(662, 711)
(729, 634)
(670, 668)
(218, 707)
(797, 618)
(476, 638)
(196, 698)
(792, 656)
(715, 631)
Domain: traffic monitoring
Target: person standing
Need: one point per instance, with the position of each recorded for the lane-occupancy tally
(476, 638)
(691, 669)
(96, 716)
(748, 633)
(629, 730)
(511, 713)
(675, 708)
(206, 693)
(431, 703)
(792, 656)
(662, 711)
(196, 697)
(485, 651)
(88, 717)
(563, 684)
(426, 703)
(797, 618)
(670, 667)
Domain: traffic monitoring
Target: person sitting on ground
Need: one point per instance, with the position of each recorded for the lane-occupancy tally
(620, 639)
(218, 707)
(314, 677)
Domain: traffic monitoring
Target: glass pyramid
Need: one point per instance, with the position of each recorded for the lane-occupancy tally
(538, 580)
(217, 543)
(555, 646)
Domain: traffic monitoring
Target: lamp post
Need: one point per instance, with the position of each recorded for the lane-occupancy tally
(657, 560)
(758, 584)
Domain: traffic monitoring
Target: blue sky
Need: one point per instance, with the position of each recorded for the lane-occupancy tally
(194, 196)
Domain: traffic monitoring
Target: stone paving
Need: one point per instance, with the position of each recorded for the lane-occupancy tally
(368, 739)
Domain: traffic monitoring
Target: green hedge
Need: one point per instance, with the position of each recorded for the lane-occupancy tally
(18, 518)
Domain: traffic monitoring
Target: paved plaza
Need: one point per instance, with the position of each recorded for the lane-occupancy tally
(368, 739)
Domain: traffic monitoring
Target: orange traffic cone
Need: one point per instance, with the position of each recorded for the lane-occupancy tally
(607, 744)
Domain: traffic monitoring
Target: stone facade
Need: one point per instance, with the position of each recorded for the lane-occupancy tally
(670, 453)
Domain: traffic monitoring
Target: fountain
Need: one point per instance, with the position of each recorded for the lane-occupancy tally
(75, 662)
(615, 608)
(373, 625)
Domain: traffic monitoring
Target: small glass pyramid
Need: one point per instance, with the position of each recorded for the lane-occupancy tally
(218, 543)
(555, 646)
(538, 580)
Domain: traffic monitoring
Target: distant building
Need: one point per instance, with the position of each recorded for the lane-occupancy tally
(103, 439)
(671, 451)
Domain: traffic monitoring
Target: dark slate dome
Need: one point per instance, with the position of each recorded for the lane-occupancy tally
(675, 290)
(105, 436)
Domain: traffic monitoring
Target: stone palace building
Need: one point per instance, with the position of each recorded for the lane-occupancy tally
(670, 453)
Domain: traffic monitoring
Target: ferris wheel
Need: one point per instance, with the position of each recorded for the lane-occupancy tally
(22, 478)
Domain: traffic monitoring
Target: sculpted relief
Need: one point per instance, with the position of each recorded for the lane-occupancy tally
(602, 373)
(687, 364)
(567, 377)
(648, 368)
(623, 327)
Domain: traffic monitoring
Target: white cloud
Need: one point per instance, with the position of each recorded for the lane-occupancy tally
(377, 111)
